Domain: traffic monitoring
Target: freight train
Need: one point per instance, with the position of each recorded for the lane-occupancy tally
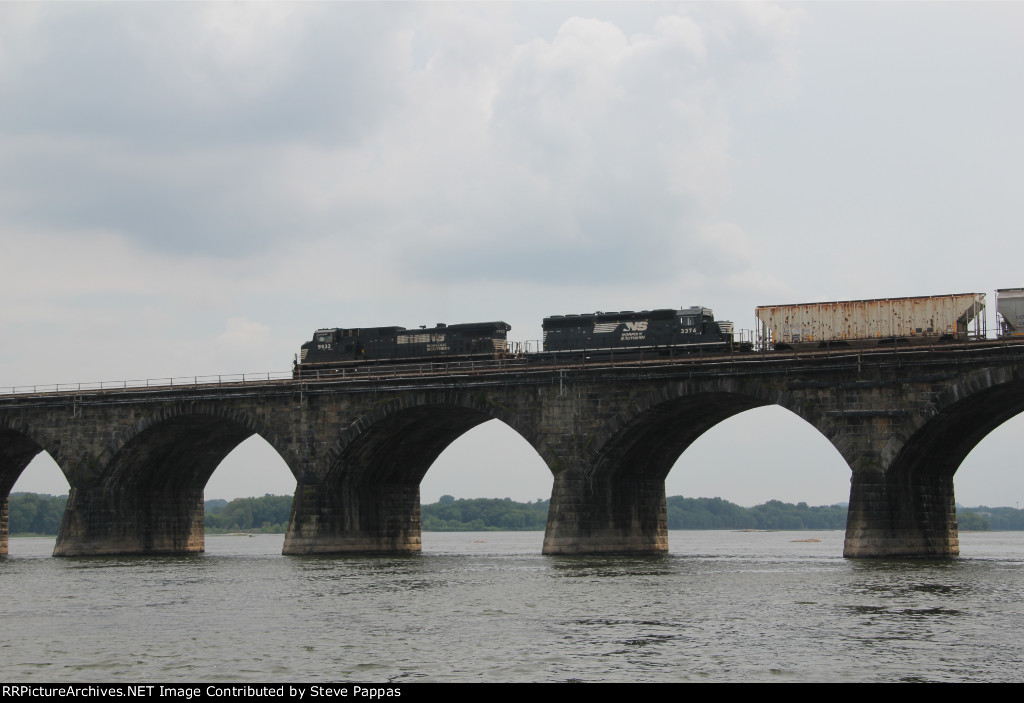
(671, 332)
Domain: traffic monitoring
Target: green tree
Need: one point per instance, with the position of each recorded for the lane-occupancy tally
(32, 513)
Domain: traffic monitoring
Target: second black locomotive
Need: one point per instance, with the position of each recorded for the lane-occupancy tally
(665, 331)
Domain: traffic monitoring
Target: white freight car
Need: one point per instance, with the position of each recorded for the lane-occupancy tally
(923, 319)
(1010, 308)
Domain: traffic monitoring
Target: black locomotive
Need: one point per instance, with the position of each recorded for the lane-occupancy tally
(336, 347)
(665, 332)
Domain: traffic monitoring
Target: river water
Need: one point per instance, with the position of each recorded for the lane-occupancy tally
(721, 606)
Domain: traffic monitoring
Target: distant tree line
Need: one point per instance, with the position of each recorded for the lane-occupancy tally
(718, 514)
(985, 518)
(40, 514)
(268, 514)
(479, 514)
(483, 514)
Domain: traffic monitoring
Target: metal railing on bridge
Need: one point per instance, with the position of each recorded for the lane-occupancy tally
(143, 383)
(514, 363)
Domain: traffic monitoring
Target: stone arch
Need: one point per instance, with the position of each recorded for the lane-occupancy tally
(213, 430)
(403, 437)
(654, 429)
(147, 492)
(760, 454)
(367, 499)
(19, 444)
(613, 500)
(904, 504)
(935, 443)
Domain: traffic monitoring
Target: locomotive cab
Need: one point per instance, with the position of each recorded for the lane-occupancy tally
(696, 320)
(701, 322)
(344, 344)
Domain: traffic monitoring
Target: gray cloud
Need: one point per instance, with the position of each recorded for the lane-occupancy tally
(227, 131)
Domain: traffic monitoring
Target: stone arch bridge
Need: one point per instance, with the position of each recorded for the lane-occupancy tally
(137, 460)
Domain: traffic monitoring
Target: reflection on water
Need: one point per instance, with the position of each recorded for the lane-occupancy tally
(722, 606)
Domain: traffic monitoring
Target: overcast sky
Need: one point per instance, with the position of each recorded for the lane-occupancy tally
(194, 188)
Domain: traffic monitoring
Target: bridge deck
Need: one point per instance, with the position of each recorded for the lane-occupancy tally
(358, 375)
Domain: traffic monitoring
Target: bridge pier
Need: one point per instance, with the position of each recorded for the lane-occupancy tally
(331, 519)
(4, 524)
(106, 520)
(591, 516)
(900, 515)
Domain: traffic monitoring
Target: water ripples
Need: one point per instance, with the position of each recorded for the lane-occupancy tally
(720, 607)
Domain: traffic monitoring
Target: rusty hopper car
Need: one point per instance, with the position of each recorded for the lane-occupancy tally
(922, 319)
(665, 331)
(337, 346)
(1010, 308)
